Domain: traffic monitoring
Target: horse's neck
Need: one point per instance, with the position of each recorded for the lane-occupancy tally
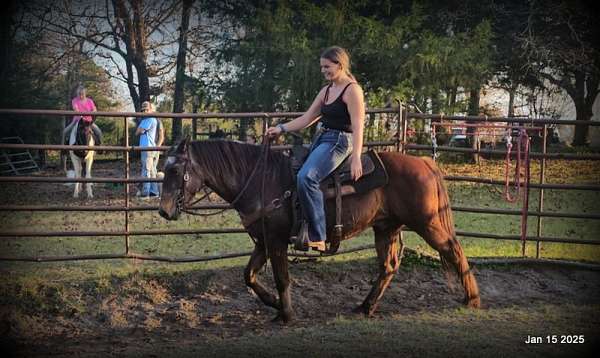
(229, 185)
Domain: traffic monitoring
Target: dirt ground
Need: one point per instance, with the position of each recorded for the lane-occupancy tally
(60, 193)
(205, 305)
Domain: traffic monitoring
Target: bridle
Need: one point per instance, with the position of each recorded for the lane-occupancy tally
(180, 200)
(247, 219)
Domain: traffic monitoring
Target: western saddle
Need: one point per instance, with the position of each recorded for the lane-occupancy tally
(337, 185)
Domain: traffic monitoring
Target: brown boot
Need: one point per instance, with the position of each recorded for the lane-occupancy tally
(317, 245)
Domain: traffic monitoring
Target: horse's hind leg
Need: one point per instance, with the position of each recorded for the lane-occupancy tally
(256, 262)
(453, 259)
(386, 244)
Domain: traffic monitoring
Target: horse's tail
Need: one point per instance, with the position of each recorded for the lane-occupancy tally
(454, 262)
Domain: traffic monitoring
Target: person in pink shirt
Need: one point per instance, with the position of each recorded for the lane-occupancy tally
(82, 103)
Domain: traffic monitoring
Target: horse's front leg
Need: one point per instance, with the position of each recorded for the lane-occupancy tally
(279, 262)
(88, 174)
(256, 262)
(77, 170)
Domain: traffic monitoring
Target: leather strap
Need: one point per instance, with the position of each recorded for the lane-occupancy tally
(277, 203)
(337, 230)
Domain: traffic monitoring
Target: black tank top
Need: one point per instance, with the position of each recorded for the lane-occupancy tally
(335, 115)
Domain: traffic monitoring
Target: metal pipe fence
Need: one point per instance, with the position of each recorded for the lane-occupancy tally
(400, 142)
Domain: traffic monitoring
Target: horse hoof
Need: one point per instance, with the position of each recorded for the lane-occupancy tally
(361, 310)
(283, 318)
(473, 303)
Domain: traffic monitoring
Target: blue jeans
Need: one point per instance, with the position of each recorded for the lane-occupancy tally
(149, 169)
(327, 153)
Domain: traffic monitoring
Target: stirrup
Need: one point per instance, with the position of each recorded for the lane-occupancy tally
(301, 240)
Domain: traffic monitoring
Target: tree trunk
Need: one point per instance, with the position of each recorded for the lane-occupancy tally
(133, 92)
(511, 101)
(179, 96)
(436, 102)
(451, 101)
(134, 37)
(580, 137)
(584, 103)
(138, 35)
(472, 137)
(6, 41)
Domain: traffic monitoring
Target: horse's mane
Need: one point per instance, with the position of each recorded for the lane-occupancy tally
(237, 159)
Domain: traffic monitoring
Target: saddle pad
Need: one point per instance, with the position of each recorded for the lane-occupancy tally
(368, 166)
(374, 176)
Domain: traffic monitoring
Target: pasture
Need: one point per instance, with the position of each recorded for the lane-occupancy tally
(118, 307)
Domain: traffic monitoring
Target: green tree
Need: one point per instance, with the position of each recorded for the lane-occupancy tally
(560, 44)
(40, 77)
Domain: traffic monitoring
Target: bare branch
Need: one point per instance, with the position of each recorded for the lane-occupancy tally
(166, 13)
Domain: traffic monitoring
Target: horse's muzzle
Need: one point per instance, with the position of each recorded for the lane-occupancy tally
(174, 215)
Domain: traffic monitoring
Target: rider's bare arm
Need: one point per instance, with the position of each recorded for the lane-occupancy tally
(309, 117)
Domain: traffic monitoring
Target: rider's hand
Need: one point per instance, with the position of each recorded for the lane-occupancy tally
(274, 131)
(356, 167)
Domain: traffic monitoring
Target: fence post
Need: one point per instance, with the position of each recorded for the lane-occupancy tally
(399, 126)
(126, 127)
(541, 192)
(404, 117)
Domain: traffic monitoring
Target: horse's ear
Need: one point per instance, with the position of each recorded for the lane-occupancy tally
(183, 145)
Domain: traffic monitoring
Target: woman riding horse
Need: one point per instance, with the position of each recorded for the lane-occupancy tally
(341, 107)
(414, 196)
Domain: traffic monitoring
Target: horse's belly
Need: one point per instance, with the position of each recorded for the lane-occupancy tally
(358, 212)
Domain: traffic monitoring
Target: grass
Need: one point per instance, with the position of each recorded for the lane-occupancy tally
(451, 333)
(206, 244)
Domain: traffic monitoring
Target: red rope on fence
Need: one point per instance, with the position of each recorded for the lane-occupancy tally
(522, 156)
(522, 167)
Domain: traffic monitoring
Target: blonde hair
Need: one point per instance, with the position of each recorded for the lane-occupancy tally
(147, 106)
(340, 56)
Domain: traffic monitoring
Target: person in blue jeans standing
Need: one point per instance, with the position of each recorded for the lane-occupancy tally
(147, 132)
(340, 108)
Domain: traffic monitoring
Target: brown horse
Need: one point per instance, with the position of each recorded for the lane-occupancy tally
(415, 197)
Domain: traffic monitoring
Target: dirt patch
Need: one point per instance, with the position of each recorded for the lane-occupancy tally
(197, 305)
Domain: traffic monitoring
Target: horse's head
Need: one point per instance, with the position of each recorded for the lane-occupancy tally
(181, 182)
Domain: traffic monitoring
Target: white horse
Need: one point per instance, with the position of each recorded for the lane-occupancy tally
(81, 136)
